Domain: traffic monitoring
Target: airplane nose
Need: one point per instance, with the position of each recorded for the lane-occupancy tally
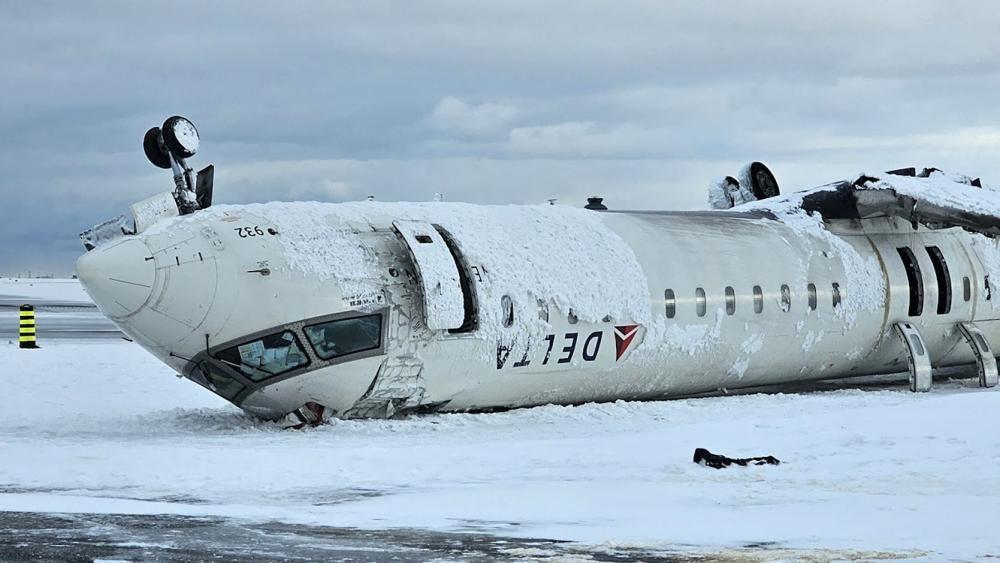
(119, 277)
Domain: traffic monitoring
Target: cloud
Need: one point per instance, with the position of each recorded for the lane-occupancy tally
(640, 101)
(488, 119)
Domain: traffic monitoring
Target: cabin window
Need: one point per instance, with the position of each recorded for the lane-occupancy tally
(836, 294)
(266, 357)
(943, 279)
(670, 303)
(758, 299)
(507, 305)
(811, 290)
(966, 289)
(914, 279)
(345, 336)
(786, 298)
(701, 302)
(572, 318)
(730, 301)
(543, 310)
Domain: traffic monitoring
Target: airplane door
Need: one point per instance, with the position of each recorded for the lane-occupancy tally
(438, 273)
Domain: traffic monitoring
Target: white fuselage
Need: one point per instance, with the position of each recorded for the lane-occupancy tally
(554, 305)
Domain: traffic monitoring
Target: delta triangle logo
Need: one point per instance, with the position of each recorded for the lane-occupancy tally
(623, 339)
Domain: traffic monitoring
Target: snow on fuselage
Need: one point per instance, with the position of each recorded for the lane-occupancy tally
(277, 305)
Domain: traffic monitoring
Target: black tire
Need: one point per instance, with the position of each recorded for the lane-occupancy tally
(170, 141)
(154, 150)
(763, 184)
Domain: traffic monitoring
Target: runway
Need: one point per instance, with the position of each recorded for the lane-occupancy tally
(133, 537)
(56, 319)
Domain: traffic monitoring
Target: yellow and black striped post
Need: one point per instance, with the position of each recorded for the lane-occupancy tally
(27, 333)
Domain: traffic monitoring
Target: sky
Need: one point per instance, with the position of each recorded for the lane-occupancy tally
(643, 103)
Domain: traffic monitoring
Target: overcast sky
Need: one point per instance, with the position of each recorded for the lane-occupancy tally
(501, 102)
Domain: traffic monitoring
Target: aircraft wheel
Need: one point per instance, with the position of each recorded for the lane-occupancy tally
(154, 149)
(180, 137)
(761, 181)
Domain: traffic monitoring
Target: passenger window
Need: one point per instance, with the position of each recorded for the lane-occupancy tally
(786, 298)
(508, 310)
(966, 288)
(730, 301)
(758, 299)
(345, 336)
(670, 303)
(836, 294)
(811, 289)
(571, 318)
(266, 357)
(701, 302)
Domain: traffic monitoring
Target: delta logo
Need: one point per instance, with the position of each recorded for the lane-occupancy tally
(624, 335)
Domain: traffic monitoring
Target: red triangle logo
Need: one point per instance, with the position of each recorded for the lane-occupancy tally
(623, 339)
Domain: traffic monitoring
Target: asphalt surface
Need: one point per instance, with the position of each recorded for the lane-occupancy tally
(56, 319)
(27, 536)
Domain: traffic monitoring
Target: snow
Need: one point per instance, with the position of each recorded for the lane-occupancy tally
(942, 189)
(187, 135)
(443, 296)
(718, 194)
(103, 427)
(949, 191)
(743, 194)
(528, 253)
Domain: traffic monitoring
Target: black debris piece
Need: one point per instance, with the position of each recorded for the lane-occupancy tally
(705, 457)
(595, 204)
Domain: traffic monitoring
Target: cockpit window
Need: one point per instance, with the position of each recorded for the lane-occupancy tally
(345, 336)
(266, 357)
(220, 382)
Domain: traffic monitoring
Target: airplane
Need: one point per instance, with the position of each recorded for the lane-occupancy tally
(302, 312)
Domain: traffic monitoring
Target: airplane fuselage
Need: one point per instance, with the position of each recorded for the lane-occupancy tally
(372, 309)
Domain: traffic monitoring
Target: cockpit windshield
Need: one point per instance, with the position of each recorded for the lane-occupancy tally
(219, 381)
(266, 357)
(345, 336)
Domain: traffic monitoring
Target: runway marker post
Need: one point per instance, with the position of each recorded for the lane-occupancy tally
(27, 327)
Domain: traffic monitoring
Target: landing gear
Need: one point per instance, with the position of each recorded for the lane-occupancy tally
(170, 146)
(917, 357)
(759, 179)
(152, 145)
(986, 362)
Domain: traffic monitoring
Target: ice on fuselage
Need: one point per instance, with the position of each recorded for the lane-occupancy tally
(565, 257)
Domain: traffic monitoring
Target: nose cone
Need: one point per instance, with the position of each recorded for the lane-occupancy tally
(119, 277)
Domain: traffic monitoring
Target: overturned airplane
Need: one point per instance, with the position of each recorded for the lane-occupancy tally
(306, 311)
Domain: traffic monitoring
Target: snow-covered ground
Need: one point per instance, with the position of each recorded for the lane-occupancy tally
(101, 426)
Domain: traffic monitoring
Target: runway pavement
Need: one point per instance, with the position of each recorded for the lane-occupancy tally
(56, 319)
